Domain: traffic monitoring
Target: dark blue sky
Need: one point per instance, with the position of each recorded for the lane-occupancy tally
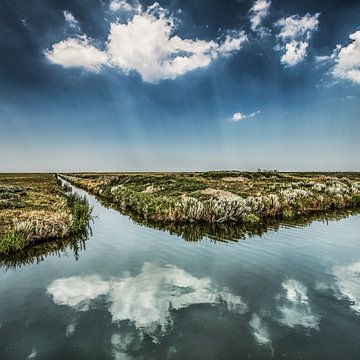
(185, 85)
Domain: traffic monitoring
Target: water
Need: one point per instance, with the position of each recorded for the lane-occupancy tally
(141, 293)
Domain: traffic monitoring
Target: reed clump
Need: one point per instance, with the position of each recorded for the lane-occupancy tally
(48, 211)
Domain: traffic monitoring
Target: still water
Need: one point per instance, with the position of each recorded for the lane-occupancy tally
(139, 293)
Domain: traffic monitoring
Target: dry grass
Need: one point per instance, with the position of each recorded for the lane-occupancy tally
(34, 207)
(219, 197)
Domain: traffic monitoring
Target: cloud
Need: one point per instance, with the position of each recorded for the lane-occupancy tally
(241, 116)
(322, 58)
(146, 44)
(295, 52)
(70, 19)
(294, 306)
(146, 299)
(295, 26)
(118, 5)
(258, 12)
(294, 35)
(77, 52)
(233, 42)
(347, 59)
(24, 22)
(347, 281)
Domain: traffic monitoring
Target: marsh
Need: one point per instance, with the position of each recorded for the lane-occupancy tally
(134, 292)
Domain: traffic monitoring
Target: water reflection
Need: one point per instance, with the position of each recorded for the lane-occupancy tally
(192, 232)
(125, 342)
(347, 283)
(147, 299)
(294, 306)
(37, 253)
(260, 331)
(143, 304)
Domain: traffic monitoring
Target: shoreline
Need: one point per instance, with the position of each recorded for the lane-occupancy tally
(283, 199)
(37, 208)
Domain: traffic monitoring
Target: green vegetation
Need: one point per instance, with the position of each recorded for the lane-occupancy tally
(35, 208)
(248, 198)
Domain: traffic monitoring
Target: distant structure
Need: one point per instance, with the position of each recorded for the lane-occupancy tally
(267, 171)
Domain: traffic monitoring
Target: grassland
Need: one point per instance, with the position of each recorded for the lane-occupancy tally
(35, 208)
(248, 198)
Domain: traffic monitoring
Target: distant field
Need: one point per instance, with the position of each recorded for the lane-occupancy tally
(35, 207)
(220, 197)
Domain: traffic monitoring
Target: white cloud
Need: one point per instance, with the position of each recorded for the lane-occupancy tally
(238, 116)
(347, 59)
(294, 35)
(70, 19)
(145, 299)
(294, 306)
(77, 52)
(322, 58)
(233, 42)
(347, 281)
(258, 12)
(146, 44)
(295, 52)
(295, 26)
(118, 5)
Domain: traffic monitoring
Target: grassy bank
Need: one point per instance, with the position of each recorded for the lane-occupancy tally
(248, 198)
(36, 208)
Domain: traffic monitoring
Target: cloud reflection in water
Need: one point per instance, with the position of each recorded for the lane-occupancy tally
(146, 299)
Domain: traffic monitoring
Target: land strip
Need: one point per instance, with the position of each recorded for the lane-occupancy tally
(36, 208)
(248, 198)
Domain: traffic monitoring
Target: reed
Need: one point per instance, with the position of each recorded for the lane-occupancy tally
(49, 212)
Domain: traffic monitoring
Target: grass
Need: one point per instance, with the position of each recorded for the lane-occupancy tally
(37, 208)
(248, 198)
(80, 213)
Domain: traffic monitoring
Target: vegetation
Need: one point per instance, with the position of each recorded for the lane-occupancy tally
(36, 208)
(249, 198)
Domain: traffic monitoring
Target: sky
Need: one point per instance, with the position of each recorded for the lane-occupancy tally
(179, 85)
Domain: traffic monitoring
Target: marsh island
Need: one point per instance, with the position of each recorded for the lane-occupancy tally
(223, 197)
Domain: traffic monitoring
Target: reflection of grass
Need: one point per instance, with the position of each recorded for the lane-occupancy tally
(39, 251)
(220, 197)
(47, 211)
